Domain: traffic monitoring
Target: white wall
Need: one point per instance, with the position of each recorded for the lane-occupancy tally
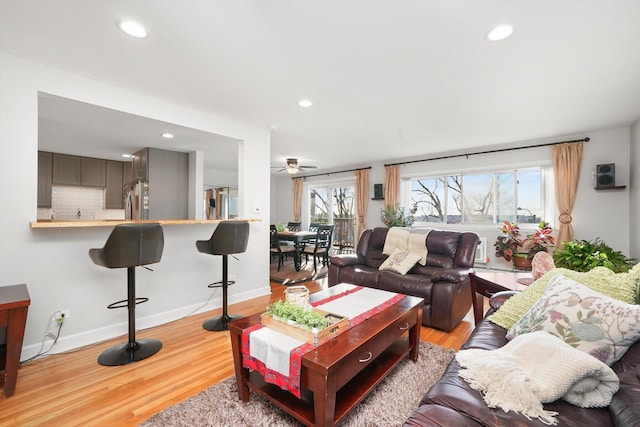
(604, 214)
(634, 186)
(54, 262)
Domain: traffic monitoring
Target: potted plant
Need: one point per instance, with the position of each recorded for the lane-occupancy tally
(540, 240)
(583, 255)
(397, 217)
(509, 241)
(512, 247)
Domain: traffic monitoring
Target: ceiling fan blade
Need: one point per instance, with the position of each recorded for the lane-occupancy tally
(307, 167)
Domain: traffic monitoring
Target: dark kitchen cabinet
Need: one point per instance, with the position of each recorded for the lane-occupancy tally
(141, 165)
(45, 176)
(127, 172)
(75, 170)
(114, 194)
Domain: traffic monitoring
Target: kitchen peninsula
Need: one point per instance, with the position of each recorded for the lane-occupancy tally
(114, 222)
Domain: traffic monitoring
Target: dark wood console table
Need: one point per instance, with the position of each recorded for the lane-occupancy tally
(488, 282)
(14, 303)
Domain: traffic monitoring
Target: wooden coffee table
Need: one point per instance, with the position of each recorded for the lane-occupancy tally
(488, 282)
(338, 374)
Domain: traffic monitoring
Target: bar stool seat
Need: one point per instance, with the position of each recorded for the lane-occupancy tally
(129, 246)
(228, 238)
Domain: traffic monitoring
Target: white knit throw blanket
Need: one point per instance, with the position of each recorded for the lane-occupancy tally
(537, 368)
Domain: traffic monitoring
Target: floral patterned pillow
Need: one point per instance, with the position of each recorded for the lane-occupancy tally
(583, 318)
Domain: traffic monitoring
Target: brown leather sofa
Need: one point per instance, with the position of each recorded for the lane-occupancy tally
(452, 403)
(443, 282)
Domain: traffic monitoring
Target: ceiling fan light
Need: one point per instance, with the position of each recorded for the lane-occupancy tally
(292, 169)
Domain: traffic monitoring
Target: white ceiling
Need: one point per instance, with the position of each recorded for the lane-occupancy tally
(389, 79)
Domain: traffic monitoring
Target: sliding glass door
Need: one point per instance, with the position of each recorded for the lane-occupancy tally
(335, 204)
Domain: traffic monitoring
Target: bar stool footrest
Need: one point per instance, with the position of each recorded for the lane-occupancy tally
(221, 284)
(125, 303)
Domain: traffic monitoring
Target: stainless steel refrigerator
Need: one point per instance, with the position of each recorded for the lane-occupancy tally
(136, 200)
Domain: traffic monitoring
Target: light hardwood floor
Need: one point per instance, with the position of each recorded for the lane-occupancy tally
(74, 390)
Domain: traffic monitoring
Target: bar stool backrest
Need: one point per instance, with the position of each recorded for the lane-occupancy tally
(229, 237)
(130, 245)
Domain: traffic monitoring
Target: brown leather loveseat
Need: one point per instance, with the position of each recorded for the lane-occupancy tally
(451, 402)
(443, 282)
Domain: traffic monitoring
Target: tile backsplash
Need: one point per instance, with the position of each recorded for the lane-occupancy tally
(69, 200)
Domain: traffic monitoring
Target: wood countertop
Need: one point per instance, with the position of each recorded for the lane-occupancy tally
(114, 222)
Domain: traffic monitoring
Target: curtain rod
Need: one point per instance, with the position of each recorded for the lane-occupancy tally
(587, 139)
(331, 173)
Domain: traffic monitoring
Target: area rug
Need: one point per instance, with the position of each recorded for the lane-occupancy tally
(289, 276)
(390, 404)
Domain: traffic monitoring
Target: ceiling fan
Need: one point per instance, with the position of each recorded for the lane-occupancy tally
(293, 167)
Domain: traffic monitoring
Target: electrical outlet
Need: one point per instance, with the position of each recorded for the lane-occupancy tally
(62, 316)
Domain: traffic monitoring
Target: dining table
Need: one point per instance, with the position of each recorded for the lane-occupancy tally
(297, 237)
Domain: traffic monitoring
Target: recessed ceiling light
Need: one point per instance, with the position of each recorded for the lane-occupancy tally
(167, 135)
(304, 103)
(500, 32)
(134, 29)
(128, 156)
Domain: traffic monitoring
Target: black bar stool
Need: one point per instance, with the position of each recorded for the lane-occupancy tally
(229, 237)
(130, 245)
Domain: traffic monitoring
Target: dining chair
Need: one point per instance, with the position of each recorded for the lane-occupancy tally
(294, 226)
(277, 248)
(321, 247)
(314, 228)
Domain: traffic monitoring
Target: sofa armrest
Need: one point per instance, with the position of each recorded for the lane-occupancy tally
(453, 275)
(438, 416)
(499, 298)
(624, 405)
(344, 260)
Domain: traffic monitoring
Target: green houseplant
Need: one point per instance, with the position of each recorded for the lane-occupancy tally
(583, 255)
(397, 217)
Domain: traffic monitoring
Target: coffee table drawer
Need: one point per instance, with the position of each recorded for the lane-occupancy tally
(365, 354)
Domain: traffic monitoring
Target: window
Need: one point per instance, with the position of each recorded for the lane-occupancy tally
(480, 198)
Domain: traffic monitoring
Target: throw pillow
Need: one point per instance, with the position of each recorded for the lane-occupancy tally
(583, 318)
(621, 286)
(399, 261)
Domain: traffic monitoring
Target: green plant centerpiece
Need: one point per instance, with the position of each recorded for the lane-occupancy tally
(583, 255)
(297, 315)
(397, 216)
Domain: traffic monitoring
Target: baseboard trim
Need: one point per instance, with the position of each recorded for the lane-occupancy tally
(94, 336)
